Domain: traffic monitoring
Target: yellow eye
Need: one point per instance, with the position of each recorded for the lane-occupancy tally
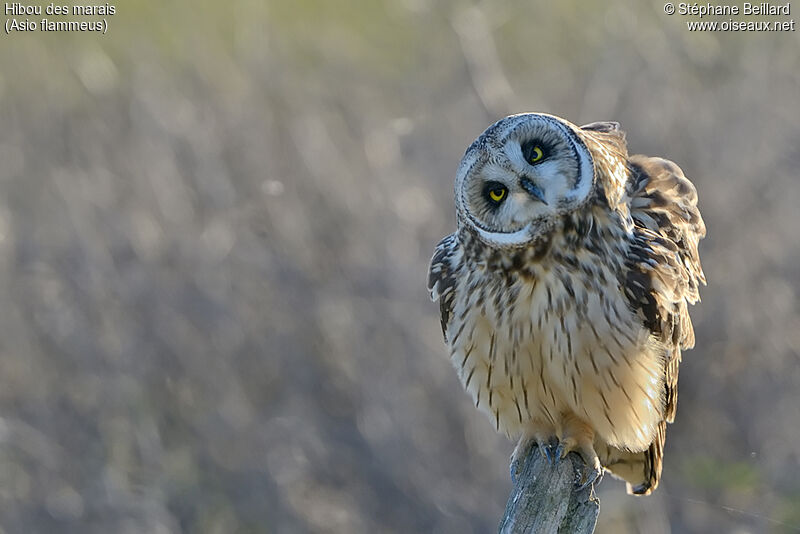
(498, 193)
(535, 155)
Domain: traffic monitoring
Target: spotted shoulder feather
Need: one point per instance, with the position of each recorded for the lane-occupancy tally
(664, 265)
(442, 276)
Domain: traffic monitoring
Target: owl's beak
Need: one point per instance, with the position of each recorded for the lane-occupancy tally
(532, 189)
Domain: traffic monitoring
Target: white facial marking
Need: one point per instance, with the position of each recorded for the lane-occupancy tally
(565, 177)
(507, 239)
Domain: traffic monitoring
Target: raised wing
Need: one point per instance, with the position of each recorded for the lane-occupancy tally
(663, 276)
(664, 265)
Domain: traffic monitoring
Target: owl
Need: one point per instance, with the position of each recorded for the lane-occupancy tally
(564, 291)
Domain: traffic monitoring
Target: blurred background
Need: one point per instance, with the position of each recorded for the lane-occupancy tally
(215, 226)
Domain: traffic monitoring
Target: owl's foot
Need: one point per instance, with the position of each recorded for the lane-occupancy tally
(590, 476)
(549, 450)
(544, 441)
(593, 471)
(580, 438)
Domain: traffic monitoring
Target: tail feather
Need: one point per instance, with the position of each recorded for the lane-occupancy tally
(640, 470)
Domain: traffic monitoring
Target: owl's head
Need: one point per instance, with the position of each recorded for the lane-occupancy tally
(520, 176)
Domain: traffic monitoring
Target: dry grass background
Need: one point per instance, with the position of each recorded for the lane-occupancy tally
(215, 223)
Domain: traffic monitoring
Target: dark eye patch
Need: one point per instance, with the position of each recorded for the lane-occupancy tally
(495, 193)
(534, 150)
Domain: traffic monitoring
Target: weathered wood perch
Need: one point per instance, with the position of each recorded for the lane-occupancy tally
(546, 499)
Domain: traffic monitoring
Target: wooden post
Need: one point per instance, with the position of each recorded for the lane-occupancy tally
(546, 500)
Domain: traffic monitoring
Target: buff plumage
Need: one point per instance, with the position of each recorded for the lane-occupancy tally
(564, 291)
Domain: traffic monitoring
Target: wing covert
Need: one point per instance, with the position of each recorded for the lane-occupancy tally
(442, 277)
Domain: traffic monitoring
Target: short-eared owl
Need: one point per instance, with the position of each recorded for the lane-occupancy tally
(564, 291)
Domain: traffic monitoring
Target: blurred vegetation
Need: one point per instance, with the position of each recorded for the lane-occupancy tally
(215, 223)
